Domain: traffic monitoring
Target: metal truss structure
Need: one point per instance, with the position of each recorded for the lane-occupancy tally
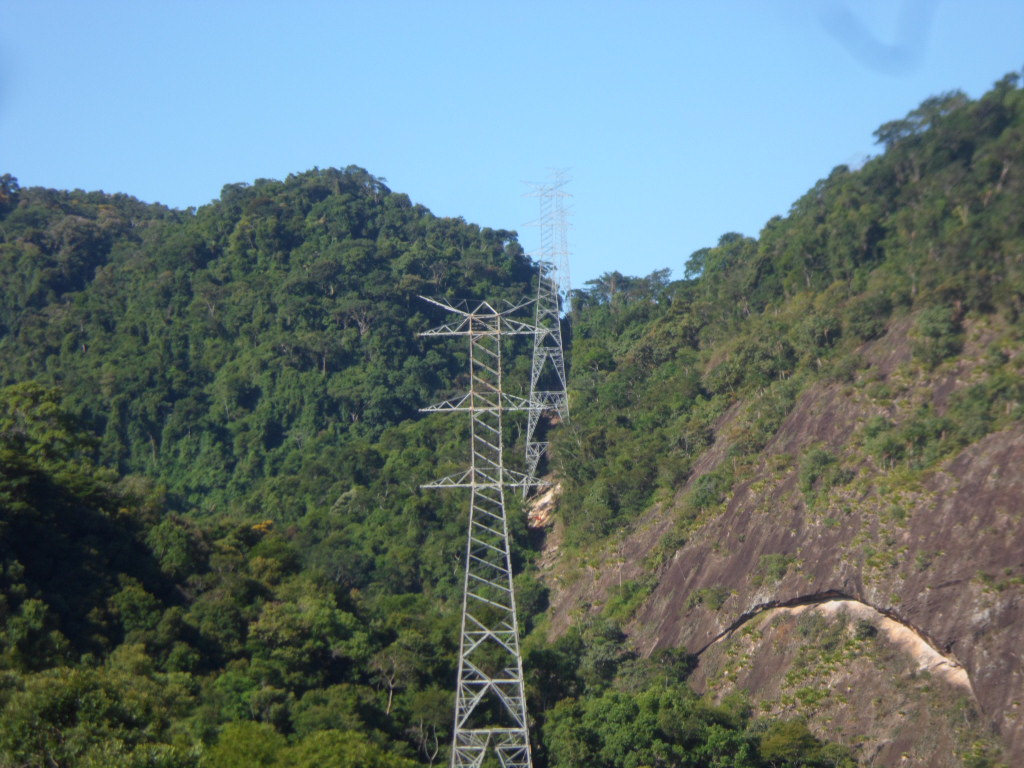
(490, 703)
(548, 391)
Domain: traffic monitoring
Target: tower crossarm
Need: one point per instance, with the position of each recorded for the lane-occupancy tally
(512, 479)
(465, 403)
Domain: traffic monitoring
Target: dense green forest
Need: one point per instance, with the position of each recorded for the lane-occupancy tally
(214, 551)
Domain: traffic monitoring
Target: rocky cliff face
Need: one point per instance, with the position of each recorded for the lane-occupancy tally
(938, 549)
(867, 679)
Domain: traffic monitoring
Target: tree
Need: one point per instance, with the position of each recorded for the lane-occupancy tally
(246, 745)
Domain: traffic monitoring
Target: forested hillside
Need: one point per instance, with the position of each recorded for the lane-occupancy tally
(931, 230)
(214, 551)
(831, 410)
(218, 350)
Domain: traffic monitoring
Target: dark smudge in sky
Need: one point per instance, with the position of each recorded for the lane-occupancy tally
(899, 57)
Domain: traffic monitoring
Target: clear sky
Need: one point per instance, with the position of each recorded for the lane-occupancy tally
(678, 120)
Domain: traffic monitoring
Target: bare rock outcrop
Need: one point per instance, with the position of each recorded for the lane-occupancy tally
(940, 551)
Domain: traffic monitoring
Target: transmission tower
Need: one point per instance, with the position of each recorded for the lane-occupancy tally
(548, 394)
(490, 700)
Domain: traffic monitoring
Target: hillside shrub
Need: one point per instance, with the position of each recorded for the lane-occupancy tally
(627, 597)
(771, 568)
(820, 471)
(711, 489)
(923, 438)
(816, 332)
(936, 335)
(981, 408)
(756, 359)
(824, 633)
(866, 317)
(711, 597)
(761, 419)
(789, 743)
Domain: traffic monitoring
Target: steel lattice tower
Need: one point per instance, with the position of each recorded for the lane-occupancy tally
(548, 390)
(490, 704)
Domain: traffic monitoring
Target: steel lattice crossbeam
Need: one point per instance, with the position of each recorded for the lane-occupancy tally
(490, 703)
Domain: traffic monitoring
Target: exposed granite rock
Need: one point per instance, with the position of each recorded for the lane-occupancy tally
(940, 551)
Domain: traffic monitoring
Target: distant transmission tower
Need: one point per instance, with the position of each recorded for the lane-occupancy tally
(490, 700)
(548, 391)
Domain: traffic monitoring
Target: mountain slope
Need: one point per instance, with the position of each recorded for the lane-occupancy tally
(833, 410)
(219, 348)
(215, 550)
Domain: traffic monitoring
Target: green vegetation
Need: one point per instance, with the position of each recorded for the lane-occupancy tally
(929, 228)
(937, 335)
(214, 551)
(227, 352)
(819, 471)
(628, 597)
(711, 597)
(216, 437)
(772, 568)
(669, 726)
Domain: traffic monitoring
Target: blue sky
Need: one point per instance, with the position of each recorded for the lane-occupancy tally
(679, 121)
